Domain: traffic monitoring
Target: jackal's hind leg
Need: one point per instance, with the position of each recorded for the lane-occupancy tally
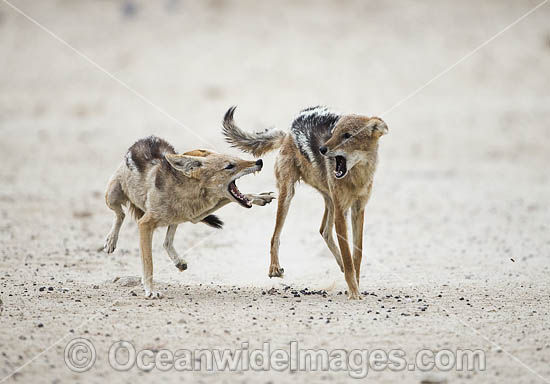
(286, 192)
(327, 226)
(115, 198)
(180, 263)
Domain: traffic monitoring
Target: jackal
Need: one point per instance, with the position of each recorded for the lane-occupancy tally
(164, 188)
(337, 155)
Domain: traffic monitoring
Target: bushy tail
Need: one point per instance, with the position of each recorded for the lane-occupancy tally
(213, 221)
(256, 143)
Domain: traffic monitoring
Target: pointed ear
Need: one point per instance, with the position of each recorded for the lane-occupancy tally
(198, 152)
(377, 127)
(190, 166)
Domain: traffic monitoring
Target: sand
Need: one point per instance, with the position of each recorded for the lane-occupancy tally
(457, 246)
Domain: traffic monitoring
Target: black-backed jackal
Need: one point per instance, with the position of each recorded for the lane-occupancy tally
(334, 153)
(164, 188)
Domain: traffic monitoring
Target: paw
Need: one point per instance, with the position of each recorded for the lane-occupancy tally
(151, 294)
(262, 199)
(181, 265)
(110, 244)
(354, 295)
(276, 271)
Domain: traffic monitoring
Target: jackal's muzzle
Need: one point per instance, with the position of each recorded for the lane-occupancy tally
(234, 191)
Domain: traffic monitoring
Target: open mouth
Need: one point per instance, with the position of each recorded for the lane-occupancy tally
(237, 195)
(341, 168)
(234, 191)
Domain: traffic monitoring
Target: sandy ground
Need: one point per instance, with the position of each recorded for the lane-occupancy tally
(457, 232)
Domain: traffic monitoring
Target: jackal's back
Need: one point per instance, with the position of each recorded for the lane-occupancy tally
(146, 157)
(311, 128)
(146, 152)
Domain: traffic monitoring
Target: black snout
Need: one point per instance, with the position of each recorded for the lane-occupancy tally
(323, 150)
(260, 162)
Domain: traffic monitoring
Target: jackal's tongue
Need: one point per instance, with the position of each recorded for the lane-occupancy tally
(238, 195)
(341, 167)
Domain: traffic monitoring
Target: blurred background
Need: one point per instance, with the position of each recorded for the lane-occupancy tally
(463, 179)
(461, 195)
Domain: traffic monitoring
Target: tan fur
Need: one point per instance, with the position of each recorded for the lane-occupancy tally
(161, 196)
(340, 195)
(198, 152)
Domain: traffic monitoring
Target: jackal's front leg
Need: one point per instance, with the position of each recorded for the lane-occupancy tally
(357, 219)
(349, 269)
(261, 198)
(179, 262)
(146, 227)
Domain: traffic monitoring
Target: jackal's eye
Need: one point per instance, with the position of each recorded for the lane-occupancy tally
(346, 135)
(230, 166)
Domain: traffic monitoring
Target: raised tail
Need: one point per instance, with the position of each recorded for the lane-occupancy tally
(256, 143)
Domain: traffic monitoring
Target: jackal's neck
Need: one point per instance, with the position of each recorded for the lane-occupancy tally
(362, 174)
(202, 200)
(188, 200)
